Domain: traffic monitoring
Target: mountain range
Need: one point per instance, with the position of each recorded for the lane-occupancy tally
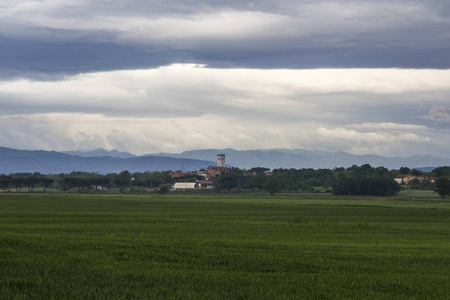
(52, 162)
(103, 161)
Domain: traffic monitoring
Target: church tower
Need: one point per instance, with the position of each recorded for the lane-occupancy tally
(221, 160)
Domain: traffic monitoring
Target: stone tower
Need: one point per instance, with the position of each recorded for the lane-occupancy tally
(221, 160)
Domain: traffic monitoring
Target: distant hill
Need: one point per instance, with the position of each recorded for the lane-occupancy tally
(299, 158)
(103, 161)
(51, 162)
(100, 152)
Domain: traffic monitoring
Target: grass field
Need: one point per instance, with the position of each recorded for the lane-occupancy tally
(69, 246)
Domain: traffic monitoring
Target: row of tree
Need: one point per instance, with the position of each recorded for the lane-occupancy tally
(364, 180)
(83, 181)
(355, 180)
(20, 182)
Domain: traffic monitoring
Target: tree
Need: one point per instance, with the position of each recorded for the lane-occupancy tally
(416, 172)
(85, 183)
(5, 181)
(123, 179)
(366, 180)
(240, 177)
(46, 182)
(272, 185)
(258, 170)
(381, 171)
(31, 182)
(365, 185)
(441, 171)
(138, 182)
(68, 183)
(258, 181)
(164, 189)
(18, 183)
(100, 181)
(414, 183)
(442, 186)
(404, 170)
(154, 179)
(426, 184)
(227, 180)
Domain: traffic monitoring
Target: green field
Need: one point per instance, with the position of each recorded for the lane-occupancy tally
(187, 246)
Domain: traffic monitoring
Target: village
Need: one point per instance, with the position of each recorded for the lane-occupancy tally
(200, 179)
(203, 179)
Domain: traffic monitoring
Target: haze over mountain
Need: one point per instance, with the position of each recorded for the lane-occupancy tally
(103, 161)
(300, 158)
(100, 152)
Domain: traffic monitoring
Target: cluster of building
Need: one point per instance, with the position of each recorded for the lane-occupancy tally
(200, 179)
(405, 179)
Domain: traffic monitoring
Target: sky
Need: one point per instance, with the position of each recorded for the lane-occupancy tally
(150, 76)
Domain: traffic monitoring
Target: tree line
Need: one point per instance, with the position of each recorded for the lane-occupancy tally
(84, 181)
(355, 180)
(29, 182)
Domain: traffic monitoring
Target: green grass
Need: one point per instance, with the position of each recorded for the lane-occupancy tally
(68, 246)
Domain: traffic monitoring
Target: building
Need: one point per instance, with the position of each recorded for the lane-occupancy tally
(186, 177)
(404, 179)
(221, 160)
(187, 185)
(206, 184)
(215, 171)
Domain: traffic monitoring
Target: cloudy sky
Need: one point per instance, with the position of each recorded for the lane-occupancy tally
(148, 76)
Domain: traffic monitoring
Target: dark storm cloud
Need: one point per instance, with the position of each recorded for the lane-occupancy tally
(24, 56)
(73, 37)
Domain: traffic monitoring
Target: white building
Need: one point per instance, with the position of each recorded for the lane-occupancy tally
(187, 185)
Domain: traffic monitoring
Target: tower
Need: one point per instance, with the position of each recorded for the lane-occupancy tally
(221, 160)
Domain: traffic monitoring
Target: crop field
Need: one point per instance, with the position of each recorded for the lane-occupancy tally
(187, 246)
